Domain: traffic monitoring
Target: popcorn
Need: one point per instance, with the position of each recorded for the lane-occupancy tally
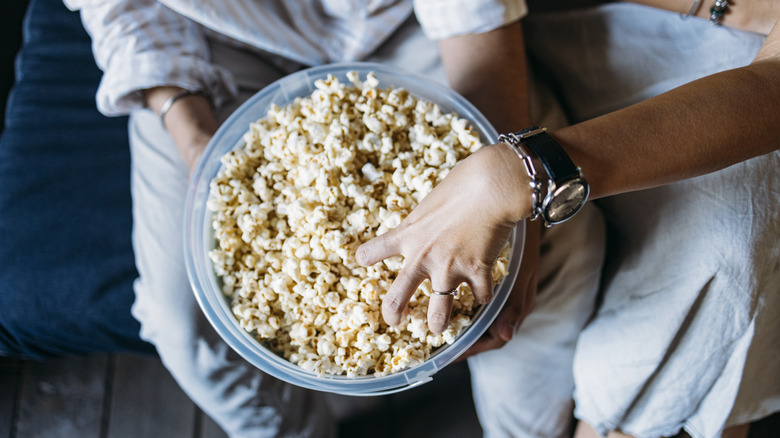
(316, 179)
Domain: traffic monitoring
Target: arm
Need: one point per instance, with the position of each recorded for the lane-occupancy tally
(489, 69)
(190, 121)
(148, 53)
(698, 128)
(695, 129)
(754, 16)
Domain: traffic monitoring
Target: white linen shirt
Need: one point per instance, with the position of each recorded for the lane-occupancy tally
(141, 44)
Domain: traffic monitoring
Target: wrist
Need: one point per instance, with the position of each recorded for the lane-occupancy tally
(155, 97)
(558, 188)
(184, 94)
(511, 183)
(188, 118)
(167, 99)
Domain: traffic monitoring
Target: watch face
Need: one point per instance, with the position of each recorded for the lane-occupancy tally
(566, 200)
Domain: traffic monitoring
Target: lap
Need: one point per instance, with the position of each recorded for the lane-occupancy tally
(687, 294)
(525, 388)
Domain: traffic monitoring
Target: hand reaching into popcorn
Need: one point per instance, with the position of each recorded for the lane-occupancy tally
(455, 234)
(461, 55)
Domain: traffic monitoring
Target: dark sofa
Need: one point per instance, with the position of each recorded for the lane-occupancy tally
(66, 262)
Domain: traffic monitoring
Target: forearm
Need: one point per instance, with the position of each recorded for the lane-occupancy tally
(751, 15)
(489, 69)
(692, 130)
(190, 120)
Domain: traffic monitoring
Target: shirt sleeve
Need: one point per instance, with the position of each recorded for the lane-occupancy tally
(141, 44)
(446, 18)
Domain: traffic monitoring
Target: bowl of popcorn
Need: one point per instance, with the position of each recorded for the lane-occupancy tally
(293, 182)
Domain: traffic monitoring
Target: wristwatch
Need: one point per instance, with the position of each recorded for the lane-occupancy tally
(565, 191)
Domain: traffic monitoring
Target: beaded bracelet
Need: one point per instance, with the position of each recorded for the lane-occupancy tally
(717, 11)
(169, 103)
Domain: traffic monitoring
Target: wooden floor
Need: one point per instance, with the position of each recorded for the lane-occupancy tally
(118, 396)
(131, 396)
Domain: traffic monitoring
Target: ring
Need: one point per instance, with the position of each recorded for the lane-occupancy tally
(453, 293)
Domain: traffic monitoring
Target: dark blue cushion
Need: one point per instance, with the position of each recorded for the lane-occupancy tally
(66, 261)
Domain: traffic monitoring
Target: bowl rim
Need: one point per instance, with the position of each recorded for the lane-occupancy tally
(197, 236)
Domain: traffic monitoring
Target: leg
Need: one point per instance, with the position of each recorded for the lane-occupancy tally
(685, 337)
(583, 430)
(524, 389)
(239, 397)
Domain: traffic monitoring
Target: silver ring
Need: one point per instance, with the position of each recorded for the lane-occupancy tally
(453, 293)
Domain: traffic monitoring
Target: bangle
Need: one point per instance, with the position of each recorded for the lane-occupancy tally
(717, 11)
(169, 103)
(693, 10)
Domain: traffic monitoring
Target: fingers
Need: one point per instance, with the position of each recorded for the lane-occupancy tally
(520, 303)
(486, 342)
(394, 305)
(508, 321)
(523, 296)
(444, 290)
(440, 309)
(440, 304)
(379, 248)
(482, 286)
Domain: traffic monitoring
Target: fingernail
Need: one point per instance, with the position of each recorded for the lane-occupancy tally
(507, 331)
(484, 299)
(360, 255)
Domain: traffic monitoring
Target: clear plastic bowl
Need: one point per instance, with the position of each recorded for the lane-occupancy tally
(199, 238)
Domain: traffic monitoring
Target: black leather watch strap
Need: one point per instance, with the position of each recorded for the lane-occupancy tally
(556, 162)
(566, 189)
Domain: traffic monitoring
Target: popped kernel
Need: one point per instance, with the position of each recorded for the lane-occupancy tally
(317, 178)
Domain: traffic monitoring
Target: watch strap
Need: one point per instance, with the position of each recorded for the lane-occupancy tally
(554, 159)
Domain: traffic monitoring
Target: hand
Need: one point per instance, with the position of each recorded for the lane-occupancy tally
(455, 234)
(521, 301)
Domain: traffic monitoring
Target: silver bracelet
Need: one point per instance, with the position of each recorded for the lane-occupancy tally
(169, 103)
(536, 183)
(717, 11)
(693, 10)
